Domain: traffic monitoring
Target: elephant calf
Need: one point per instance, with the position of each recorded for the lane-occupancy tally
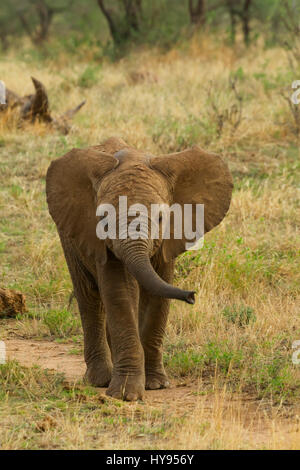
(123, 284)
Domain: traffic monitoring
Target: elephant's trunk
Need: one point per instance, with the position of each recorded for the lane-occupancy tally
(136, 259)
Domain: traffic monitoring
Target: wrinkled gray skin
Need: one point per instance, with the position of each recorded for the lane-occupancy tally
(123, 287)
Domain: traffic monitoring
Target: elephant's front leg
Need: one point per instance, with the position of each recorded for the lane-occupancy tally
(153, 315)
(120, 293)
(96, 350)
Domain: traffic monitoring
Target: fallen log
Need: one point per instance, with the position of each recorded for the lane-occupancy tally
(11, 303)
(36, 107)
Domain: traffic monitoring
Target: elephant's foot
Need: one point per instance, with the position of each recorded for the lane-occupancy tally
(156, 380)
(98, 375)
(127, 387)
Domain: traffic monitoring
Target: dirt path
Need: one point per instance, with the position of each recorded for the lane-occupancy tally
(58, 357)
(48, 355)
(257, 421)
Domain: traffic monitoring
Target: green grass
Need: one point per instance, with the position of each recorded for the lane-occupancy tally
(265, 369)
(62, 323)
(241, 316)
(41, 403)
(89, 77)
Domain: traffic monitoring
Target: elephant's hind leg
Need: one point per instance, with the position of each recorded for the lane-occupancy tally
(96, 349)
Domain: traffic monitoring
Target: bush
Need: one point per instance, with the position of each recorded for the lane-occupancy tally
(62, 323)
(240, 316)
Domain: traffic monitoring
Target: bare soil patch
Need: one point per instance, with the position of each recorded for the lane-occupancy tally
(256, 420)
(59, 358)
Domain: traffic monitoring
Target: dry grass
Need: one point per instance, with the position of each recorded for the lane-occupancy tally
(236, 341)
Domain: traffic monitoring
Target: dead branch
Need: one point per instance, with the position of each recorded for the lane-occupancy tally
(36, 107)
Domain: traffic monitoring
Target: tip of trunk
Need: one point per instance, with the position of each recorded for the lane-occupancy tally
(189, 297)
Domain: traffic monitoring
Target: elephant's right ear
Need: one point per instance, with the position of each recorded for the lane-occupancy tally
(196, 177)
(71, 186)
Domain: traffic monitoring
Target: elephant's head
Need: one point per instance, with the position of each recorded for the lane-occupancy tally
(82, 179)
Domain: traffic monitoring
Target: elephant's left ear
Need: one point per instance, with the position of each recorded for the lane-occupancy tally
(71, 185)
(196, 177)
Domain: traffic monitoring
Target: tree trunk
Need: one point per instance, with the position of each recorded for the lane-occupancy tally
(121, 26)
(111, 22)
(244, 16)
(246, 21)
(232, 14)
(45, 15)
(132, 10)
(197, 12)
